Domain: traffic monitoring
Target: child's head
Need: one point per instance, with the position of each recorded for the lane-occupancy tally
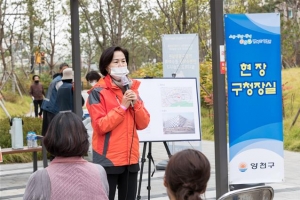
(186, 175)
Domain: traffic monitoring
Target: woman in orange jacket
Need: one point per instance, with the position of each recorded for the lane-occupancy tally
(116, 112)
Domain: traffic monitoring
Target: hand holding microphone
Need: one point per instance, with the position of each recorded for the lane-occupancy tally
(129, 98)
(126, 101)
(129, 95)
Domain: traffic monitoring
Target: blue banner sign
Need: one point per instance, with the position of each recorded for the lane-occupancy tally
(254, 98)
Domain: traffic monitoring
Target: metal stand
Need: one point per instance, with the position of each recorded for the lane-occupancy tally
(163, 164)
(44, 151)
(150, 158)
(34, 158)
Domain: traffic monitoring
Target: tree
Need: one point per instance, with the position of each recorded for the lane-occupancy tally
(179, 17)
(11, 42)
(115, 22)
(87, 44)
(290, 23)
(290, 27)
(2, 37)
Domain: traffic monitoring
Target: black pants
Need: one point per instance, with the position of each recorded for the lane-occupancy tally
(127, 185)
(47, 118)
(37, 104)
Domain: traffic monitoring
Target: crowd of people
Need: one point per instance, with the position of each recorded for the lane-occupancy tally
(117, 112)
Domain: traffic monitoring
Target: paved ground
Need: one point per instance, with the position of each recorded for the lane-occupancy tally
(13, 177)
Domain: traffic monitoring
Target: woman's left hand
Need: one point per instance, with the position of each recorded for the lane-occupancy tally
(131, 95)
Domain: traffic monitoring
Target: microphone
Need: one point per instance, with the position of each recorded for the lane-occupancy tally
(125, 83)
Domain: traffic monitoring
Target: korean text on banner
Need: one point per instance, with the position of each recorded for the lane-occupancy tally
(254, 98)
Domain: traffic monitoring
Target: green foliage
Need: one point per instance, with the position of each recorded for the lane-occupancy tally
(292, 137)
(5, 140)
(206, 84)
(10, 96)
(20, 107)
(151, 70)
(207, 124)
(46, 79)
(234, 6)
(30, 124)
(291, 102)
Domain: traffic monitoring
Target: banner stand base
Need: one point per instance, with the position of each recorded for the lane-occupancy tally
(242, 186)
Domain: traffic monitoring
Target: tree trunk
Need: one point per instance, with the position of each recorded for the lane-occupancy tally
(1, 46)
(184, 16)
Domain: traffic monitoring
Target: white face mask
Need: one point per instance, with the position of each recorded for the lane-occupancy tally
(118, 72)
(93, 83)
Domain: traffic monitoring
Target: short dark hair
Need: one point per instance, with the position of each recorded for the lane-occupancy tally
(66, 136)
(187, 174)
(63, 65)
(92, 75)
(34, 77)
(107, 56)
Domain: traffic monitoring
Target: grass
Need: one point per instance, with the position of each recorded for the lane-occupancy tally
(291, 96)
(207, 124)
(20, 107)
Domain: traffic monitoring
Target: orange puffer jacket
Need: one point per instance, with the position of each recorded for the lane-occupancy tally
(114, 129)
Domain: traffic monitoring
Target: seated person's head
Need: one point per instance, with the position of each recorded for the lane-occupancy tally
(66, 136)
(186, 175)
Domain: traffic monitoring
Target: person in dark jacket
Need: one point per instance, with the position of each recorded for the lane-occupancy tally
(48, 106)
(64, 100)
(37, 93)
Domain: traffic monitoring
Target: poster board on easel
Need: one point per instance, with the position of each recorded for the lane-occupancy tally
(173, 107)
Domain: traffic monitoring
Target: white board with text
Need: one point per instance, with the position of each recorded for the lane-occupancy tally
(173, 107)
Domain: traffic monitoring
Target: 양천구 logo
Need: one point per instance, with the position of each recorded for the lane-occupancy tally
(243, 167)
